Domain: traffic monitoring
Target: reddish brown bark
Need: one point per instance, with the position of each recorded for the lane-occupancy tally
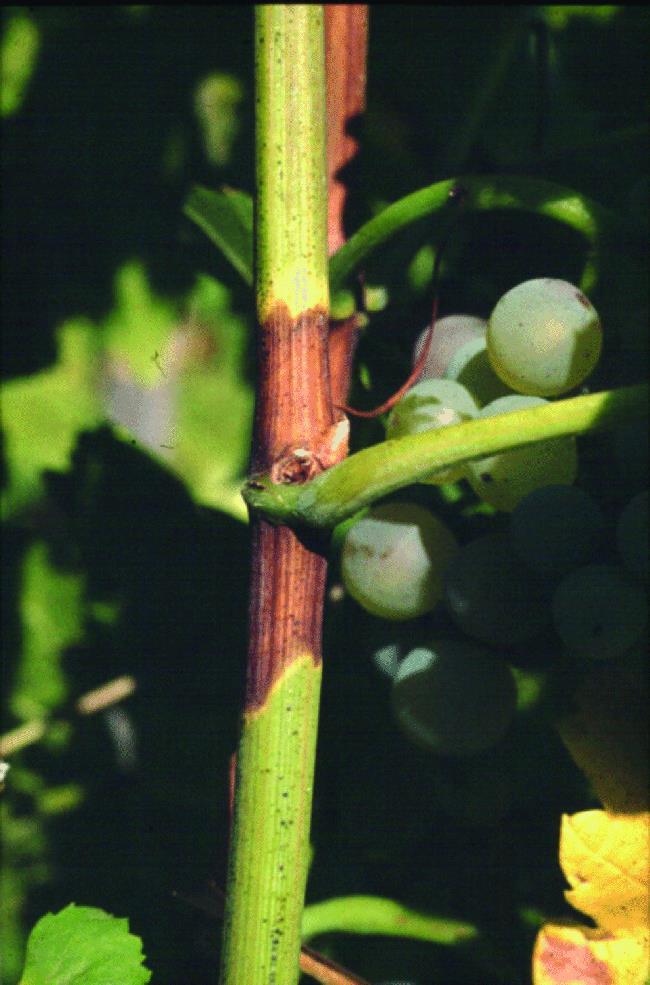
(286, 609)
(294, 409)
(293, 404)
(346, 44)
(293, 412)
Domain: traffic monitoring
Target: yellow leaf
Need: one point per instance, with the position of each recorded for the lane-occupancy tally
(605, 858)
(605, 855)
(573, 955)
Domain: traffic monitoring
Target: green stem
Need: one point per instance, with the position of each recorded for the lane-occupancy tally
(370, 474)
(269, 847)
(480, 194)
(385, 917)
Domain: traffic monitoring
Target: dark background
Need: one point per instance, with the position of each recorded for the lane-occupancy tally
(96, 164)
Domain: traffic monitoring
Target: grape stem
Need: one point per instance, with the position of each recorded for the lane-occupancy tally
(370, 474)
(481, 193)
(269, 838)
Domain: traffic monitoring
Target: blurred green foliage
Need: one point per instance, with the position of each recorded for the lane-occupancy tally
(217, 107)
(18, 54)
(42, 414)
(126, 415)
(51, 620)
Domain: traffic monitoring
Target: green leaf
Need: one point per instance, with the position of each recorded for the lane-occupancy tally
(217, 106)
(559, 16)
(82, 945)
(227, 218)
(139, 326)
(175, 370)
(41, 414)
(214, 409)
(18, 56)
(52, 619)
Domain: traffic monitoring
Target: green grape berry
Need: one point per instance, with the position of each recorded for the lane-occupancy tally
(544, 337)
(430, 405)
(471, 367)
(599, 611)
(394, 558)
(491, 595)
(449, 335)
(556, 529)
(454, 697)
(502, 480)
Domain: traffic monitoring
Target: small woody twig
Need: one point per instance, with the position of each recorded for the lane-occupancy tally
(98, 699)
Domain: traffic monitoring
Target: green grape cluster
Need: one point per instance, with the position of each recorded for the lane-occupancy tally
(543, 338)
(559, 576)
(538, 581)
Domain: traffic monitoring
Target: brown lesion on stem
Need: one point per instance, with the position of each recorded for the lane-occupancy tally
(346, 42)
(286, 607)
(297, 434)
(293, 406)
(298, 464)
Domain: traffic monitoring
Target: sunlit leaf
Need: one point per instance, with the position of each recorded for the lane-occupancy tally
(211, 436)
(558, 16)
(604, 854)
(606, 860)
(139, 326)
(42, 414)
(83, 944)
(61, 799)
(177, 385)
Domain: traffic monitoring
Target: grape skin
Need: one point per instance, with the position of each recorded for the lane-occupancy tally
(449, 334)
(428, 406)
(544, 337)
(454, 697)
(504, 479)
(599, 611)
(393, 560)
(387, 659)
(471, 366)
(491, 595)
(556, 528)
